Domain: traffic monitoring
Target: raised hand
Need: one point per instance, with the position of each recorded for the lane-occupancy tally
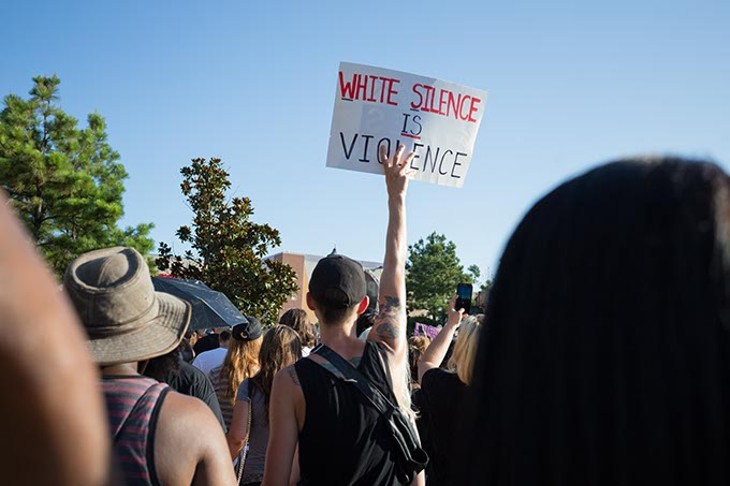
(455, 315)
(397, 170)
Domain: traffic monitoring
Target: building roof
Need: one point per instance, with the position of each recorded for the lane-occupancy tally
(308, 258)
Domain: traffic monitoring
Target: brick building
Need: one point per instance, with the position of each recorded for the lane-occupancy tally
(303, 266)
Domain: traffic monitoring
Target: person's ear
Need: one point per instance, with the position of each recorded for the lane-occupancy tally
(310, 302)
(363, 305)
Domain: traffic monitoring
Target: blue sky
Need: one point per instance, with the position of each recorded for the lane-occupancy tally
(571, 84)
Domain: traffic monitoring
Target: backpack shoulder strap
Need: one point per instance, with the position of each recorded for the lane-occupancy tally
(344, 370)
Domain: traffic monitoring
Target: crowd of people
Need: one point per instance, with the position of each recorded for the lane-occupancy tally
(602, 358)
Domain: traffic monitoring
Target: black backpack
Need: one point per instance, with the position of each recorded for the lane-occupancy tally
(410, 458)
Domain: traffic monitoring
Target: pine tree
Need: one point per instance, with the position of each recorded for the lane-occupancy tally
(66, 183)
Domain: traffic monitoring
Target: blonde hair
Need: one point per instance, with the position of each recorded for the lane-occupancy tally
(402, 391)
(465, 350)
(416, 347)
(241, 362)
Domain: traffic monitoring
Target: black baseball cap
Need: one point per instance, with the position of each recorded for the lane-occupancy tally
(247, 331)
(338, 282)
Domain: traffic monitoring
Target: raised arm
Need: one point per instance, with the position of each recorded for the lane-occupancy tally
(436, 351)
(390, 324)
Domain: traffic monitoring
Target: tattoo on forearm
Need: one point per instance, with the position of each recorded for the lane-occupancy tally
(293, 375)
(387, 321)
(391, 304)
(386, 330)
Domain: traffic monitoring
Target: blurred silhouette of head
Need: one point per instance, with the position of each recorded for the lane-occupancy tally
(607, 359)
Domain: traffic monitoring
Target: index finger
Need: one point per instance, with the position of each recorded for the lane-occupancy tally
(382, 155)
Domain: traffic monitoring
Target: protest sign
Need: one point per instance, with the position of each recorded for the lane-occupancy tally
(377, 107)
(426, 330)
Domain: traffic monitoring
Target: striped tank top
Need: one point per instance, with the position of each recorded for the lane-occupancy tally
(220, 385)
(133, 404)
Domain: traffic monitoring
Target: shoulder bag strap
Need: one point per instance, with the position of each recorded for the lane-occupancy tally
(349, 373)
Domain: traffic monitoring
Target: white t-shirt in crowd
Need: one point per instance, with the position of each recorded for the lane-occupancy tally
(208, 360)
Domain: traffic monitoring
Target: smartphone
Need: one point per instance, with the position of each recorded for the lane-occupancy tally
(463, 297)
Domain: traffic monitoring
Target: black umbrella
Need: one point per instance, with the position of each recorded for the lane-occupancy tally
(210, 308)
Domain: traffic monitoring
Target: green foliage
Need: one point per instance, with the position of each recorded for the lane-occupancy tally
(434, 271)
(229, 247)
(475, 272)
(65, 182)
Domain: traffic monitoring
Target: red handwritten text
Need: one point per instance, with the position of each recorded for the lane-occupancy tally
(368, 87)
(445, 103)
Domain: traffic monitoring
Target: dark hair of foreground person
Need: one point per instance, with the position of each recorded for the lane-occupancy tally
(607, 361)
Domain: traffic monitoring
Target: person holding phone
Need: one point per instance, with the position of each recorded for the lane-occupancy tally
(442, 391)
(463, 297)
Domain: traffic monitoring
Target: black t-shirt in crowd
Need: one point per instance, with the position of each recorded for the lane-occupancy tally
(344, 442)
(439, 403)
(206, 343)
(193, 382)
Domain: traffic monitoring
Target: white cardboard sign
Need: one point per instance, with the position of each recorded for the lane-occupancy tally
(436, 119)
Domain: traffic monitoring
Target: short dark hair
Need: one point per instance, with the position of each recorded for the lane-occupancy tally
(608, 355)
(334, 315)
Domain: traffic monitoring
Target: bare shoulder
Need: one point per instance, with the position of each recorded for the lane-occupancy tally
(182, 415)
(287, 387)
(184, 404)
(287, 377)
(287, 394)
(176, 456)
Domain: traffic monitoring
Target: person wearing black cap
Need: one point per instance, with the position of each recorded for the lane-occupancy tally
(337, 433)
(241, 362)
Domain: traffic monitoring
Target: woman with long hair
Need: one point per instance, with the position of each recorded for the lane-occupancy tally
(241, 362)
(298, 320)
(281, 347)
(442, 393)
(607, 359)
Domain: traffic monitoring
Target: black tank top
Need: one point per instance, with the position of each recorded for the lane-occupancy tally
(343, 441)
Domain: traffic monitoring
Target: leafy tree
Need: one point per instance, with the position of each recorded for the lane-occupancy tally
(434, 270)
(65, 182)
(229, 247)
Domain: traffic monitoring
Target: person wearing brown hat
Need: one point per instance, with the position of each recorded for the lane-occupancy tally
(342, 440)
(127, 322)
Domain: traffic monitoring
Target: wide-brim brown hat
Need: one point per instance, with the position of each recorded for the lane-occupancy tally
(125, 318)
